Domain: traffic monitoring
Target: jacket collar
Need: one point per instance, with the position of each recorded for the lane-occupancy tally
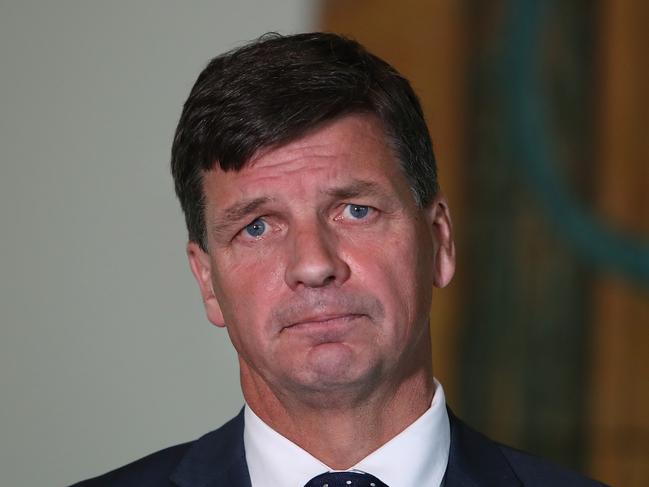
(216, 459)
(474, 460)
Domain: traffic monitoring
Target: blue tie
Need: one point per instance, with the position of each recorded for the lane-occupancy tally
(345, 479)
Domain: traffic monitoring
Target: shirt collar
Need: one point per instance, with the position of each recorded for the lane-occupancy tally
(416, 456)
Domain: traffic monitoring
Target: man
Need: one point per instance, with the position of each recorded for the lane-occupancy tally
(317, 232)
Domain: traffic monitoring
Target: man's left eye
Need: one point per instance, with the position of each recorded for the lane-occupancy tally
(256, 228)
(356, 212)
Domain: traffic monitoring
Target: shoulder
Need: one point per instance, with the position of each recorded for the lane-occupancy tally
(534, 471)
(477, 460)
(153, 470)
(204, 457)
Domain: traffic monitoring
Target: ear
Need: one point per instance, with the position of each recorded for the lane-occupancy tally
(199, 261)
(439, 221)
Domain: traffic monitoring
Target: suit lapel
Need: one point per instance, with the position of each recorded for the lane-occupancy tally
(476, 461)
(216, 459)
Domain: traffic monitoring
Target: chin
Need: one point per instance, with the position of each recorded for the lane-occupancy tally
(336, 368)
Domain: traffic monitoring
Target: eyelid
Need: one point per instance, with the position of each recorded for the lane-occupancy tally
(371, 211)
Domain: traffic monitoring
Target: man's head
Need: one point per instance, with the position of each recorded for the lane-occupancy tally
(276, 89)
(307, 177)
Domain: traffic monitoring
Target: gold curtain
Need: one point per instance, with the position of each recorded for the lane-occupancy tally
(428, 42)
(620, 371)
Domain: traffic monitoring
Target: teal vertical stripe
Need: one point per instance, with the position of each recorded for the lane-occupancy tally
(534, 152)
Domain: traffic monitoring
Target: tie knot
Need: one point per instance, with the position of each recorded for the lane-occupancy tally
(345, 479)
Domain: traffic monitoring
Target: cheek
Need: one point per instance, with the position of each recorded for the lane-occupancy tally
(247, 290)
(397, 271)
(247, 272)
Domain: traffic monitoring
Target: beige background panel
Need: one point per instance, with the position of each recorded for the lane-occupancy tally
(105, 354)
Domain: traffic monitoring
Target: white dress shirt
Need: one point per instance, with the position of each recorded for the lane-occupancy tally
(416, 456)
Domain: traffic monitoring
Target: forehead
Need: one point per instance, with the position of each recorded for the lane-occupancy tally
(352, 147)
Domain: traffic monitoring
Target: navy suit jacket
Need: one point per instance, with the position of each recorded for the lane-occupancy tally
(218, 460)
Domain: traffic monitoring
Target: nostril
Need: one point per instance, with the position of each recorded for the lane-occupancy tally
(329, 280)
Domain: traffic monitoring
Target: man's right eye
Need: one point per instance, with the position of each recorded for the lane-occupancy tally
(255, 228)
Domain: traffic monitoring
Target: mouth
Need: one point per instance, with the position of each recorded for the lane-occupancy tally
(324, 321)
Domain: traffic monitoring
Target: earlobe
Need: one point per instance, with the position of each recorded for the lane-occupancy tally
(444, 247)
(199, 262)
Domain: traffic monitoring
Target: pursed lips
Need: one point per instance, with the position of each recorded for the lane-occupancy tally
(323, 320)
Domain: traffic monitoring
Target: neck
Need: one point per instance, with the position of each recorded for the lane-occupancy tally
(342, 430)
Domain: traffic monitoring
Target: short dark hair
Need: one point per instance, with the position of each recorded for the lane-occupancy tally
(274, 90)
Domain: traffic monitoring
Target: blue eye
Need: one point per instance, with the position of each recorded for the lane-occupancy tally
(256, 228)
(357, 211)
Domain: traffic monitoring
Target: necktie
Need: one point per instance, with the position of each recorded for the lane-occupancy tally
(345, 479)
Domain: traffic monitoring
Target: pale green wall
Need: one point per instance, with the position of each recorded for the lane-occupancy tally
(105, 354)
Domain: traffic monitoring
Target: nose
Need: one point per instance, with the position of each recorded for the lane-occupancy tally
(314, 259)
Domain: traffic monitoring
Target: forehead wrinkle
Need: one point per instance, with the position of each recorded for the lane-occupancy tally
(295, 163)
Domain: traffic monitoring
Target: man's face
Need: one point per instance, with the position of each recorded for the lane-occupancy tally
(320, 264)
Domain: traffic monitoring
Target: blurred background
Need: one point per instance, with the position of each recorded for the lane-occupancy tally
(539, 113)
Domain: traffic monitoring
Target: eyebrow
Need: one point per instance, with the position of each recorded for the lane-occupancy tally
(238, 211)
(356, 188)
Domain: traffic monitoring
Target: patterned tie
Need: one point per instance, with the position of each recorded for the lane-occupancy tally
(345, 479)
